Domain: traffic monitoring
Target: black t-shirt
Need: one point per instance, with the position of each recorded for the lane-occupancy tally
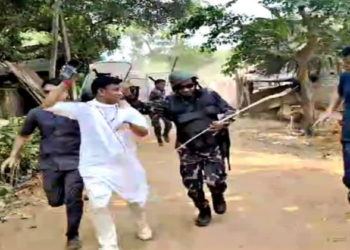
(60, 139)
(344, 92)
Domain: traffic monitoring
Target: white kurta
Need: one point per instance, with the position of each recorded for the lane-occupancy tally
(108, 160)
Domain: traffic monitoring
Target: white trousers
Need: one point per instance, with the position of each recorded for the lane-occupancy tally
(103, 220)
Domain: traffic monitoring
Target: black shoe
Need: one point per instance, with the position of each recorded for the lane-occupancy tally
(219, 203)
(160, 142)
(74, 244)
(204, 217)
(166, 138)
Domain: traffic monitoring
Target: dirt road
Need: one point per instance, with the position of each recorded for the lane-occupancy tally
(284, 194)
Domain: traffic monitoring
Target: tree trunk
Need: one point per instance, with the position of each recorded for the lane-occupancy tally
(339, 67)
(247, 93)
(238, 91)
(65, 38)
(307, 91)
(55, 28)
(307, 99)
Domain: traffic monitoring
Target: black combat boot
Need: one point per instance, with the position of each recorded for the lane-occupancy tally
(166, 138)
(219, 203)
(160, 142)
(74, 244)
(204, 217)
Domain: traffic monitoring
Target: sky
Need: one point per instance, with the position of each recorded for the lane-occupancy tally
(248, 7)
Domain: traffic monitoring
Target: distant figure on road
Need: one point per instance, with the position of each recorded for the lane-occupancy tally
(193, 110)
(156, 98)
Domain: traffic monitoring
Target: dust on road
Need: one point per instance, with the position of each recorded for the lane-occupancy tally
(285, 193)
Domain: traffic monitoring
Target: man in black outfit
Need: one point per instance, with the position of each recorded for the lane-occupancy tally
(59, 160)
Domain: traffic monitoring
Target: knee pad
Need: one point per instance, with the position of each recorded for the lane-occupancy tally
(192, 184)
(196, 195)
(219, 187)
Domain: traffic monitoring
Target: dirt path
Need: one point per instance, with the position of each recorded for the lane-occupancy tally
(284, 194)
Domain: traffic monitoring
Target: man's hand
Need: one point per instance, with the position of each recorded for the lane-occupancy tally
(323, 118)
(217, 126)
(138, 130)
(124, 126)
(8, 163)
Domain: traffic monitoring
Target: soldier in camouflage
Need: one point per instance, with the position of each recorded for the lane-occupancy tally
(156, 99)
(194, 109)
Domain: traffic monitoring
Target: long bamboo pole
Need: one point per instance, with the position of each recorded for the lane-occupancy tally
(54, 47)
(281, 94)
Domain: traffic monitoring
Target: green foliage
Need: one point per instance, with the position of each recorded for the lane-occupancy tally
(275, 43)
(93, 26)
(30, 152)
(5, 190)
(319, 8)
(17, 17)
(221, 23)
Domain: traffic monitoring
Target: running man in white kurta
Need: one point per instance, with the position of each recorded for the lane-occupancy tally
(108, 160)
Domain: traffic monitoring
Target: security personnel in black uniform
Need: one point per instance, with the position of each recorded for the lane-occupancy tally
(194, 109)
(156, 98)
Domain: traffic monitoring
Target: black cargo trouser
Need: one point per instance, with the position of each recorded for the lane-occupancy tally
(66, 188)
(197, 168)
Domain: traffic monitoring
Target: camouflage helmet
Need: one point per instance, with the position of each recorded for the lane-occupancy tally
(177, 78)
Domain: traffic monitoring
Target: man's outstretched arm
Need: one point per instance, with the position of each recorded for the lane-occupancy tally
(53, 104)
(30, 124)
(55, 94)
(10, 162)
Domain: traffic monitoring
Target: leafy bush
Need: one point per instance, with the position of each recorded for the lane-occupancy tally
(30, 152)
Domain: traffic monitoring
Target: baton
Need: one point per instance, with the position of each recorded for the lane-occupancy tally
(283, 93)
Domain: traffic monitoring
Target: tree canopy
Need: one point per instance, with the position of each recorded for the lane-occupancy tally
(272, 43)
(301, 35)
(93, 26)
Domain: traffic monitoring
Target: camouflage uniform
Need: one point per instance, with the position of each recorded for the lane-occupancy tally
(157, 99)
(197, 168)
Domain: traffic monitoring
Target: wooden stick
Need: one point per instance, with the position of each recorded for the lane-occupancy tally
(283, 93)
(65, 38)
(54, 46)
(67, 51)
(174, 65)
